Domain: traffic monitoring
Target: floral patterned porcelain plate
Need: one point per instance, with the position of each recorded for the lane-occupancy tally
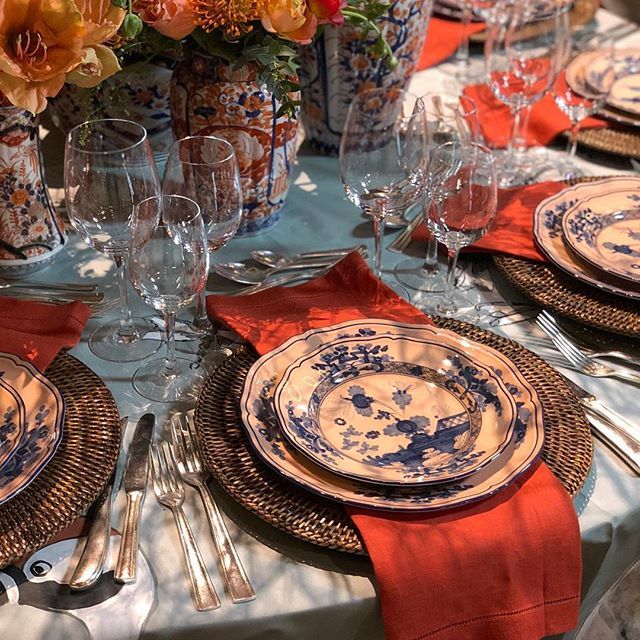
(625, 62)
(266, 437)
(606, 233)
(625, 94)
(44, 415)
(547, 230)
(12, 420)
(394, 410)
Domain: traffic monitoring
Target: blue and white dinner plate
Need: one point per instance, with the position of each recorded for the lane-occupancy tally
(12, 420)
(598, 70)
(266, 437)
(44, 416)
(548, 234)
(393, 409)
(605, 231)
(625, 94)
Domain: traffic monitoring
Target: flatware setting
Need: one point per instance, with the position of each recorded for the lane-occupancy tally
(274, 259)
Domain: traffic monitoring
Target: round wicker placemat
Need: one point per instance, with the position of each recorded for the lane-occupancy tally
(228, 455)
(620, 140)
(77, 472)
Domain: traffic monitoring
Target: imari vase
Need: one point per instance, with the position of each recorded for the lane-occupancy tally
(31, 233)
(213, 99)
(140, 92)
(339, 64)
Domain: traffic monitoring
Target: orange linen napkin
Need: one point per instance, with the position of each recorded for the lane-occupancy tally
(512, 230)
(505, 568)
(36, 331)
(545, 122)
(443, 39)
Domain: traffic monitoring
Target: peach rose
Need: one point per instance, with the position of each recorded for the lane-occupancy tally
(40, 41)
(290, 19)
(172, 18)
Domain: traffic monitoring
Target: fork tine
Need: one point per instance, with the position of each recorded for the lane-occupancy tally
(562, 337)
(186, 446)
(153, 454)
(173, 468)
(191, 439)
(579, 360)
(178, 442)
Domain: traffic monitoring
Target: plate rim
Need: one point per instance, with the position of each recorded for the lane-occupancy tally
(22, 410)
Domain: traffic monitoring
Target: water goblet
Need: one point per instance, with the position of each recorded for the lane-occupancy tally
(169, 266)
(463, 206)
(205, 169)
(383, 157)
(109, 169)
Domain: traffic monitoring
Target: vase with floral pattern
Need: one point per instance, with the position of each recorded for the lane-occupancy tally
(214, 99)
(31, 232)
(140, 92)
(338, 64)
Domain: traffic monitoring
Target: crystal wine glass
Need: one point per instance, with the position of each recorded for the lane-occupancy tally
(578, 98)
(463, 206)
(169, 266)
(523, 54)
(482, 9)
(205, 169)
(383, 156)
(449, 118)
(109, 169)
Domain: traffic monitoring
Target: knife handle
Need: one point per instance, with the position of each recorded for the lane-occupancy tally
(94, 554)
(128, 554)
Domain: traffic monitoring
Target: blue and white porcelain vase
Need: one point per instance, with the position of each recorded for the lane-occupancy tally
(338, 65)
(31, 232)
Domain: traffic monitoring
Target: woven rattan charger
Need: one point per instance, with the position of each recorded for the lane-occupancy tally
(568, 448)
(78, 471)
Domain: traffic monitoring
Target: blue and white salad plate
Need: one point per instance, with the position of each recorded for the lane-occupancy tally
(549, 235)
(44, 416)
(605, 231)
(625, 94)
(265, 434)
(12, 420)
(393, 409)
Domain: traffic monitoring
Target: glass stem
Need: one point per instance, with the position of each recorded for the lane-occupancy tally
(200, 318)
(431, 258)
(462, 55)
(451, 276)
(572, 145)
(170, 365)
(127, 330)
(378, 230)
(515, 135)
(520, 132)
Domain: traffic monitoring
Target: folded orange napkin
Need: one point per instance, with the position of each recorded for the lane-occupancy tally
(507, 567)
(443, 39)
(512, 229)
(545, 122)
(36, 331)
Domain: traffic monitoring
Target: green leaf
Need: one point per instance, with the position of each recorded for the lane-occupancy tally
(121, 4)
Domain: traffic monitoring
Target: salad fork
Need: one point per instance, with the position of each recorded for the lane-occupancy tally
(577, 358)
(192, 471)
(169, 491)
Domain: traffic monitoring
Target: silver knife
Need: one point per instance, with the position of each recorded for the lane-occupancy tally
(96, 547)
(135, 483)
(610, 426)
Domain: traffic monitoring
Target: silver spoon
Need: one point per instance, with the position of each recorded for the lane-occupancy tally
(245, 274)
(274, 259)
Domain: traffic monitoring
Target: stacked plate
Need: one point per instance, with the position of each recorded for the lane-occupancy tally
(592, 232)
(386, 415)
(31, 419)
(590, 70)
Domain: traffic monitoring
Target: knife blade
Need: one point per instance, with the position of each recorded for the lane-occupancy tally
(94, 554)
(614, 430)
(134, 483)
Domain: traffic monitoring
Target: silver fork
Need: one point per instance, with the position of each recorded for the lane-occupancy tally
(169, 491)
(192, 472)
(403, 239)
(577, 358)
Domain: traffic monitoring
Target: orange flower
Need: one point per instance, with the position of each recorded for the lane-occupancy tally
(40, 41)
(172, 18)
(19, 197)
(290, 19)
(102, 21)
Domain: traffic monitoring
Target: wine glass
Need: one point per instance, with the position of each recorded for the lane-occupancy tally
(463, 205)
(169, 266)
(449, 118)
(205, 169)
(383, 156)
(466, 71)
(578, 98)
(523, 53)
(109, 169)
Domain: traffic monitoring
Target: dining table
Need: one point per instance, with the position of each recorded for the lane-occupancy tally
(304, 592)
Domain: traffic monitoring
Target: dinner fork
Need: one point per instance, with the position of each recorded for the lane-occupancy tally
(169, 491)
(191, 469)
(577, 358)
